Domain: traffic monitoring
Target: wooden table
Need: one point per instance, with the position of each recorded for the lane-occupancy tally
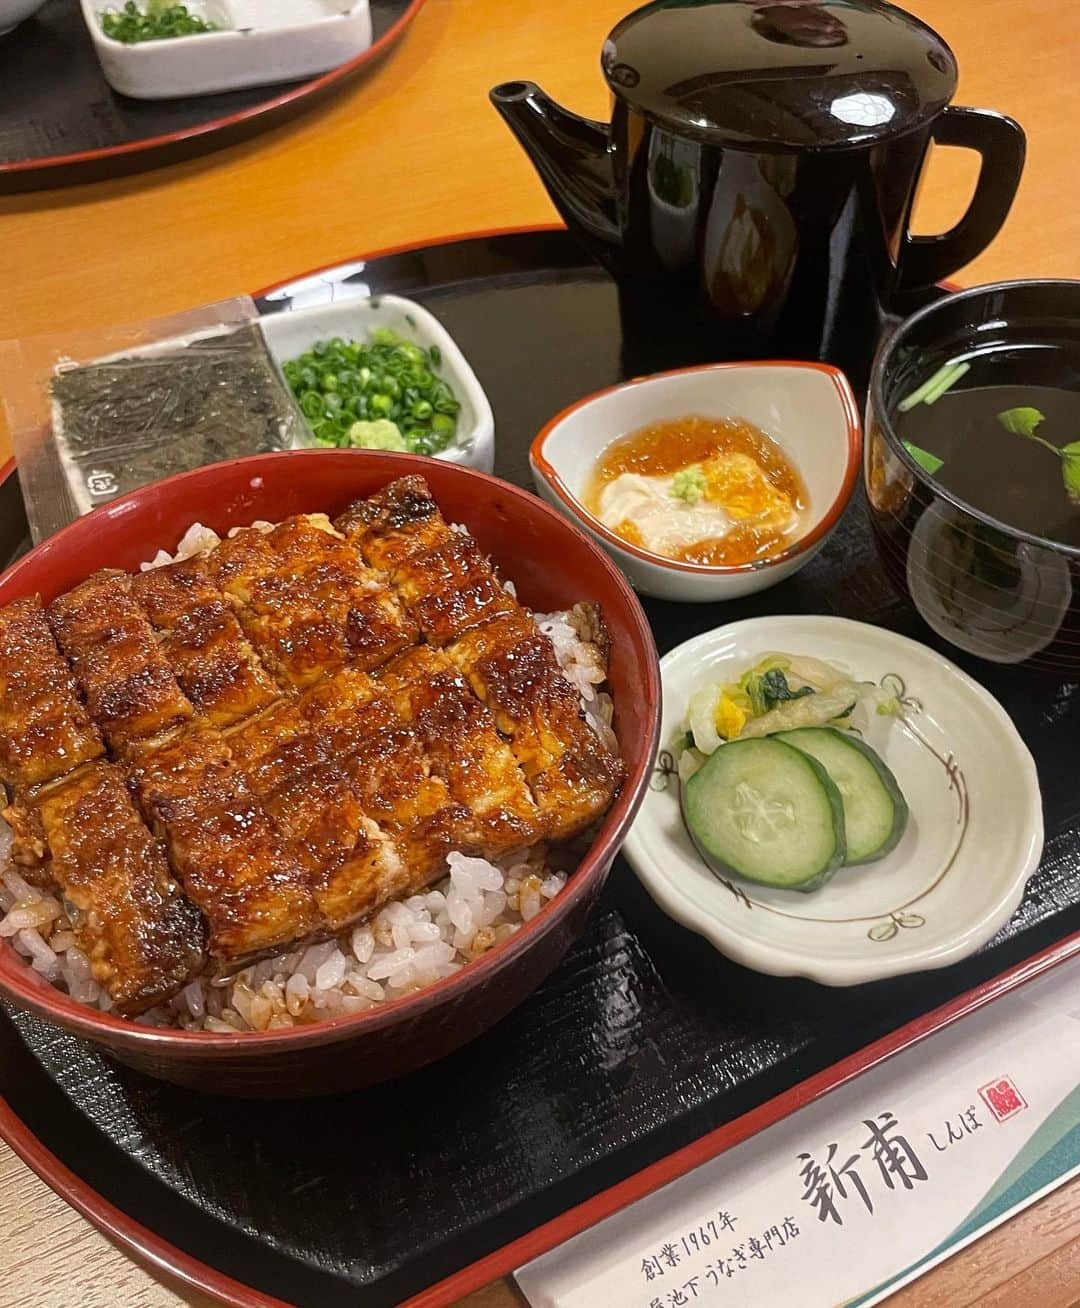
(415, 152)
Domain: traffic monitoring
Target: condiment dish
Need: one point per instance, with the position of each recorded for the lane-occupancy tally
(807, 409)
(291, 331)
(256, 44)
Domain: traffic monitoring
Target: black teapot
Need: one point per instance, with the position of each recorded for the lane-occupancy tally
(753, 191)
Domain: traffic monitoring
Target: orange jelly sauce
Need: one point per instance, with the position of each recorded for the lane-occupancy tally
(666, 447)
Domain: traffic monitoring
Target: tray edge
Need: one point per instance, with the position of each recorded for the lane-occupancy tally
(146, 1246)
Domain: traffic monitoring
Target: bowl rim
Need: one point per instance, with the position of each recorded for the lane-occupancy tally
(877, 407)
(853, 428)
(24, 987)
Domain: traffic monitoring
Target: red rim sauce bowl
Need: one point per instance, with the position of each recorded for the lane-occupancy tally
(553, 565)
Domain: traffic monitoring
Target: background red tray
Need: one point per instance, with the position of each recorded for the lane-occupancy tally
(61, 122)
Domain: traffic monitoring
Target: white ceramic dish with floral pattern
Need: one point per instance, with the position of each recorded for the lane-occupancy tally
(974, 837)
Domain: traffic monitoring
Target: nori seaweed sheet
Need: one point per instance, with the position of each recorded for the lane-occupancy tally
(130, 421)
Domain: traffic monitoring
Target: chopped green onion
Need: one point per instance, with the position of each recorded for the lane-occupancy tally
(944, 378)
(311, 404)
(339, 383)
(955, 373)
(158, 21)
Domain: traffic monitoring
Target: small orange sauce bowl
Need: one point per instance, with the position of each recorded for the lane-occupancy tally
(808, 409)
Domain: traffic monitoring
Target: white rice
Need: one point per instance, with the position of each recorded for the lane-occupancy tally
(408, 944)
(584, 666)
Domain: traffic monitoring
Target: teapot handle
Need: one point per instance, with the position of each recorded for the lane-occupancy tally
(925, 260)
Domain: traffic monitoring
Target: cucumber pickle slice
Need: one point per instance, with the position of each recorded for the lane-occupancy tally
(875, 812)
(768, 812)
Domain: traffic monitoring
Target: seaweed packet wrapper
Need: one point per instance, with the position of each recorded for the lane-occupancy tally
(95, 414)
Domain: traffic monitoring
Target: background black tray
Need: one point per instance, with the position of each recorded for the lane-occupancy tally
(61, 122)
(642, 1041)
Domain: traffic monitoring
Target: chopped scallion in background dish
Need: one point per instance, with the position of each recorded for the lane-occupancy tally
(380, 394)
(157, 22)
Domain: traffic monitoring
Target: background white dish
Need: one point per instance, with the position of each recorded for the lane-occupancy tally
(13, 12)
(292, 39)
(293, 331)
(974, 839)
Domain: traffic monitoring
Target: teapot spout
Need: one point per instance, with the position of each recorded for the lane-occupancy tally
(572, 156)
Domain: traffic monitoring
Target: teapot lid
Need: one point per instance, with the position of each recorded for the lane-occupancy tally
(780, 74)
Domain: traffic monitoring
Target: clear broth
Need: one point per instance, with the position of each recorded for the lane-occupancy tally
(998, 472)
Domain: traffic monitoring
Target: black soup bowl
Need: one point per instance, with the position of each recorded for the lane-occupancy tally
(1004, 592)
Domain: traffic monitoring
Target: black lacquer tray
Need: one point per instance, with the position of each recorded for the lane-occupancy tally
(643, 1054)
(61, 122)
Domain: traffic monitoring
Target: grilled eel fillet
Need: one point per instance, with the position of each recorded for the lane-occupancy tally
(307, 602)
(449, 587)
(143, 938)
(201, 639)
(130, 689)
(307, 719)
(45, 730)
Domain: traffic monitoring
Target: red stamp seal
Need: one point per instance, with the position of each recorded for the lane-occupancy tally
(1002, 1098)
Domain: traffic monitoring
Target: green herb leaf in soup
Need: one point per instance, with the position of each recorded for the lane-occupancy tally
(1021, 421)
(927, 461)
(1070, 470)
